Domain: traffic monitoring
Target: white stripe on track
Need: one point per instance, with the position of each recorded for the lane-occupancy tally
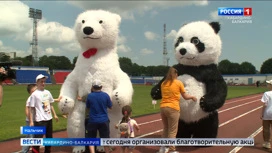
(149, 122)
(218, 112)
(236, 149)
(237, 106)
(239, 116)
(147, 134)
(242, 99)
(225, 123)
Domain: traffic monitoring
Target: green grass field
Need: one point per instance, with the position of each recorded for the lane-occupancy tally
(12, 112)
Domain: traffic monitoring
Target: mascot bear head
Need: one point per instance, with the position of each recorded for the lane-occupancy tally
(97, 29)
(198, 43)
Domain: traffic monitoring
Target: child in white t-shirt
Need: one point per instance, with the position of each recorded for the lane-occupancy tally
(131, 124)
(266, 115)
(41, 103)
(30, 89)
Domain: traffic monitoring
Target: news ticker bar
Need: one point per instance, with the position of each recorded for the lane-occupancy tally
(135, 142)
(32, 130)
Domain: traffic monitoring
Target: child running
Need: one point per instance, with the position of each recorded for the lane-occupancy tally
(131, 124)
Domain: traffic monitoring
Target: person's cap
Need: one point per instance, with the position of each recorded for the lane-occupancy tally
(97, 83)
(269, 82)
(40, 76)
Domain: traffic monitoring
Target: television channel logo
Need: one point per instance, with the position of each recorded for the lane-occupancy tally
(225, 11)
(236, 15)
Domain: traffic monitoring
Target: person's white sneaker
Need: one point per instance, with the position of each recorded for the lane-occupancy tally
(267, 145)
(163, 149)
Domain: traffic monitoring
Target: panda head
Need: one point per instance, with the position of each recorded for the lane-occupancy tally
(198, 43)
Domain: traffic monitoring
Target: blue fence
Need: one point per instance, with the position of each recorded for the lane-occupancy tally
(29, 76)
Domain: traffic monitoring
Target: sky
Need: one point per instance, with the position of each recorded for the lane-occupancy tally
(141, 30)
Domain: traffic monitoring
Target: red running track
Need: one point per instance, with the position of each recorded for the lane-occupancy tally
(238, 118)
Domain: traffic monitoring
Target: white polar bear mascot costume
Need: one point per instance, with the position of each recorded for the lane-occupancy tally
(97, 33)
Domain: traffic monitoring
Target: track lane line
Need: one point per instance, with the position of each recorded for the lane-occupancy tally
(237, 106)
(236, 149)
(218, 112)
(225, 123)
(242, 99)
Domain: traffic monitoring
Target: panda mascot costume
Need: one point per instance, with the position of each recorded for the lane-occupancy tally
(197, 49)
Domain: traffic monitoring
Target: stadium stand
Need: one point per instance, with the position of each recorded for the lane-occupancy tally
(29, 76)
(60, 76)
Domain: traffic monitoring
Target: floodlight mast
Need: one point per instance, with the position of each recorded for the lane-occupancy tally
(36, 15)
(165, 58)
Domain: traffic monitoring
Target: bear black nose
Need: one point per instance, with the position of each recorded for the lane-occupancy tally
(88, 30)
(182, 51)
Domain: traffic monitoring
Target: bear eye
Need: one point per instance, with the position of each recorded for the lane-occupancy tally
(83, 21)
(195, 40)
(100, 21)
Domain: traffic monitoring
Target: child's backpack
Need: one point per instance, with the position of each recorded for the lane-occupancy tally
(125, 129)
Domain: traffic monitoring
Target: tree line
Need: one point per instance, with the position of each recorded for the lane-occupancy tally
(133, 69)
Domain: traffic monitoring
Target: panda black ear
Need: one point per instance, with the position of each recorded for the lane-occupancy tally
(215, 26)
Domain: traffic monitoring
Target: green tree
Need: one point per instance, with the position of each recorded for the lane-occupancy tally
(74, 62)
(55, 62)
(234, 68)
(150, 71)
(4, 57)
(17, 62)
(136, 70)
(224, 66)
(126, 65)
(247, 68)
(26, 61)
(160, 70)
(266, 66)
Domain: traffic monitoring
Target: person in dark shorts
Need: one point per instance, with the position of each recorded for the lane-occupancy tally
(97, 102)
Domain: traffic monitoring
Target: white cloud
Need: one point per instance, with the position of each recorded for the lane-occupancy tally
(8, 49)
(127, 8)
(151, 35)
(49, 50)
(121, 39)
(123, 48)
(53, 37)
(51, 33)
(171, 35)
(14, 18)
(214, 15)
(154, 13)
(121, 44)
(146, 51)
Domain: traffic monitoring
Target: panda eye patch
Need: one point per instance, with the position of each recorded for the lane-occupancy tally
(195, 40)
(180, 40)
(83, 21)
(100, 21)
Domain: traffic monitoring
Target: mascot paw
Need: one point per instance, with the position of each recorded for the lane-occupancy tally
(79, 149)
(66, 104)
(156, 93)
(205, 106)
(120, 97)
(116, 98)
